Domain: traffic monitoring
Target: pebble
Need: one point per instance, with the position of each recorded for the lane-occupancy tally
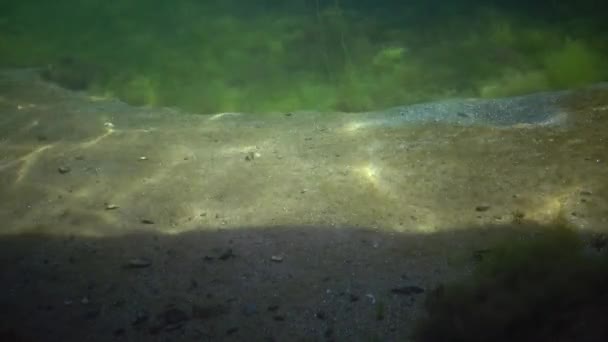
(110, 206)
(277, 258)
(64, 169)
(142, 158)
(146, 221)
(139, 263)
(173, 316)
(407, 290)
(141, 317)
(227, 254)
(250, 309)
(483, 207)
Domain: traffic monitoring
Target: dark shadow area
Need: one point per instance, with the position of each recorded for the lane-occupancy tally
(275, 284)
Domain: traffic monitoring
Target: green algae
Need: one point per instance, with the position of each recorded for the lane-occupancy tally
(208, 58)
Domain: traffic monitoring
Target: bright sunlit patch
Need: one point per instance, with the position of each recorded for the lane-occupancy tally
(29, 160)
(222, 115)
(370, 173)
(354, 126)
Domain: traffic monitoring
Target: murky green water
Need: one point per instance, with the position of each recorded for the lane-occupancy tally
(264, 56)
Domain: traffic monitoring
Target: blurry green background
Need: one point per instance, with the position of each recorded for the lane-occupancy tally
(271, 55)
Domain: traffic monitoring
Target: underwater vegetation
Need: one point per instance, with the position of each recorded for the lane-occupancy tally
(264, 56)
(545, 286)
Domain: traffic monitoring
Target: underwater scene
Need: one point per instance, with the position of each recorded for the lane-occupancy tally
(304, 170)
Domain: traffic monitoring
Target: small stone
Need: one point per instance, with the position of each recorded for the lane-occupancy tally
(141, 317)
(139, 263)
(92, 314)
(64, 169)
(227, 254)
(481, 208)
(479, 254)
(174, 316)
(119, 332)
(250, 309)
(277, 258)
(250, 156)
(142, 158)
(353, 297)
(111, 206)
(407, 290)
(205, 312)
(320, 315)
(146, 221)
(586, 193)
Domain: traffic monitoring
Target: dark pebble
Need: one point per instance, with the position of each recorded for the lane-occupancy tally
(64, 169)
(320, 315)
(204, 312)
(227, 254)
(407, 290)
(119, 332)
(141, 317)
(174, 316)
(353, 297)
(92, 314)
(139, 263)
(146, 221)
(481, 208)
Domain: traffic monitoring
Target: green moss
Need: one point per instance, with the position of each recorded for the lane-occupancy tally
(574, 64)
(207, 57)
(541, 286)
(514, 82)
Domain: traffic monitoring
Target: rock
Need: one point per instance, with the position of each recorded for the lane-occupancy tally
(64, 169)
(147, 221)
(141, 317)
(119, 332)
(250, 309)
(111, 206)
(92, 314)
(71, 73)
(353, 297)
(250, 156)
(599, 241)
(205, 312)
(277, 258)
(320, 315)
(478, 255)
(143, 158)
(407, 290)
(173, 316)
(279, 318)
(138, 263)
(483, 207)
(227, 254)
